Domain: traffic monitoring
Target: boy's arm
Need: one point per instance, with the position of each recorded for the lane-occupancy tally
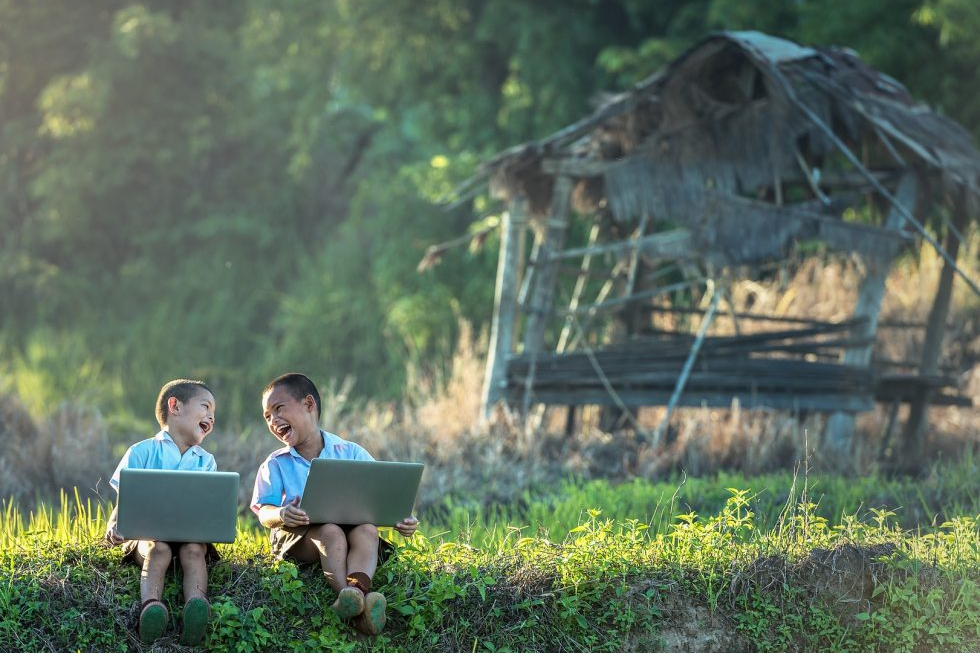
(288, 515)
(267, 496)
(111, 532)
(130, 459)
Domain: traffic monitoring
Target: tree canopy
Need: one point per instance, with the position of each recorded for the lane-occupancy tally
(233, 189)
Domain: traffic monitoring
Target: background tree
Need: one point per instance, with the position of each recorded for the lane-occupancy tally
(231, 189)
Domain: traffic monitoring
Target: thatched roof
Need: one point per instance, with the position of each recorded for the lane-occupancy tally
(718, 134)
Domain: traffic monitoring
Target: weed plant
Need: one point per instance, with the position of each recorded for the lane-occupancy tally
(914, 503)
(800, 582)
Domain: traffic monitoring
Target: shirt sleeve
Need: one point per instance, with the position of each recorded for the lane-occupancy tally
(268, 486)
(360, 453)
(134, 458)
(211, 465)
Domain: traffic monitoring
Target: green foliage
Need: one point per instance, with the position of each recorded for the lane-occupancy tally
(607, 584)
(833, 503)
(231, 189)
(910, 614)
(788, 620)
(37, 372)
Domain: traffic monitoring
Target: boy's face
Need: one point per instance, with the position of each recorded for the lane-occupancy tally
(192, 420)
(291, 420)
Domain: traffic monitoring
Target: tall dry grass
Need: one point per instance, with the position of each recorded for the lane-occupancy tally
(438, 420)
(69, 448)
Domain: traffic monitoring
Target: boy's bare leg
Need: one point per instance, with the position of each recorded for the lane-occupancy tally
(154, 558)
(196, 610)
(327, 544)
(192, 560)
(363, 555)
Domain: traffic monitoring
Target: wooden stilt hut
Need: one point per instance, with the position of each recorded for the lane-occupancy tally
(739, 154)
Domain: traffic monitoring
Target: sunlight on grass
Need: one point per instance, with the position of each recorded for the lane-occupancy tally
(793, 580)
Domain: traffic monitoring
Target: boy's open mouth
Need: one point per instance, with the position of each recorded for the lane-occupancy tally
(284, 430)
(205, 426)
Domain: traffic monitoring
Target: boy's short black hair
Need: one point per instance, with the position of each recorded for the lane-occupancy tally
(182, 389)
(297, 385)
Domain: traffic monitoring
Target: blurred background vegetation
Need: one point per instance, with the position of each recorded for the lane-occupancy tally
(232, 189)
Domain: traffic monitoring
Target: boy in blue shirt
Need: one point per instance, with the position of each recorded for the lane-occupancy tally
(347, 553)
(185, 412)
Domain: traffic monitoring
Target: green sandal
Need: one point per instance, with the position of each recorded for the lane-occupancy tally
(153, 620)
(197, 612)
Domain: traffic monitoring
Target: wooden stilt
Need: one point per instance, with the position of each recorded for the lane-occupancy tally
(839, 431)
(503, 325)
(918, 420)
(540, 303)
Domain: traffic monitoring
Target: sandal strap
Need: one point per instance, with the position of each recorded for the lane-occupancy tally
(149, 602)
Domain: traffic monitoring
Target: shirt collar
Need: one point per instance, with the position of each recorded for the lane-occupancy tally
(163, 436)
(292, 450)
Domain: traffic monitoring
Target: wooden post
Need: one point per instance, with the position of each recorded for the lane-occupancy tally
(688, 364)
(566, 330)
(915, 428)
(626, 321)
(542, 298)
(503, 323)
(540, 304)
(839, 432)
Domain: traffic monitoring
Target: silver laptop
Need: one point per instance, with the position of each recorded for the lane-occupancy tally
(177, 506)
(360, 491)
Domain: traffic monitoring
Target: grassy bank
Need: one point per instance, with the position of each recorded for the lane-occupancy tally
(727, 581)
(913, 503)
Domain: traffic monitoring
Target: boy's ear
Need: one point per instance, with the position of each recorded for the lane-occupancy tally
(309, 402)
(173, 405)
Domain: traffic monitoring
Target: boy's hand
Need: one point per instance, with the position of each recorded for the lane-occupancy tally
(113, 536)
(292, 515)
(407, 526)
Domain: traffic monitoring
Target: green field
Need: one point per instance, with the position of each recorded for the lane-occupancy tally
(761, 565)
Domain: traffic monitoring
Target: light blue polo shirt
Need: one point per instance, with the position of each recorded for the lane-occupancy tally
(282, 476)
(161, 452)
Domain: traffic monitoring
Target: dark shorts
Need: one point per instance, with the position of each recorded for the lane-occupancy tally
(282, 540)
(129, 547)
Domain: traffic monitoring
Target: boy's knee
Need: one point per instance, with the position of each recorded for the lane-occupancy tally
(326, 532)
(365, 532)
(158, 550)
(193, 551)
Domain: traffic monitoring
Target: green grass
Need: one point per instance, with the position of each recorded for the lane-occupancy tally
(921, 504)
(792, 580)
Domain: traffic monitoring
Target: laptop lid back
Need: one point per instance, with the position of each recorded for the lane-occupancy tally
(177, 505)
(360, 491)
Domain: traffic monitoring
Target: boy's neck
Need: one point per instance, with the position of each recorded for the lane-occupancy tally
(182, 443)
(311, 445)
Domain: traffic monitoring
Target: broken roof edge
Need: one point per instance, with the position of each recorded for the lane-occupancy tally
(767, 48)
(773, 57)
